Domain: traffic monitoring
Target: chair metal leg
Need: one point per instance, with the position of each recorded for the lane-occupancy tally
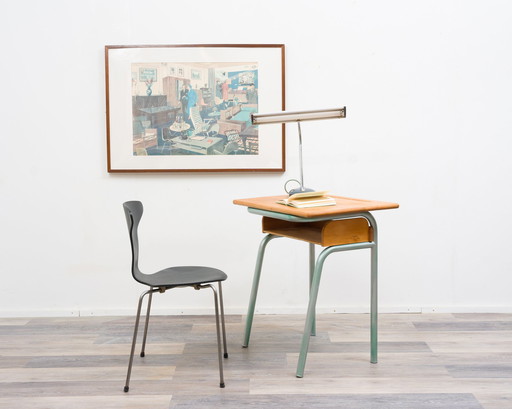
(221, 371)
(134, 341)
(254, 290)
(142, 353)
(221, 300)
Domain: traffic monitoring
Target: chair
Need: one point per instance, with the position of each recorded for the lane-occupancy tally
(229, 148)
(214, 130)
(234, 141)
(200, 126)
(232, 144)
(167, 139)
(172, 277)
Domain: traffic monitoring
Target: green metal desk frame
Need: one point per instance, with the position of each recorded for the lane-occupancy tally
(315, 273)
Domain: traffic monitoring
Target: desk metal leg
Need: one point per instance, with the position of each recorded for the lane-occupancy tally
(374, 290)
(310, 317)
(315, 285)
(311, 273)
(254, 290)
(373, 306)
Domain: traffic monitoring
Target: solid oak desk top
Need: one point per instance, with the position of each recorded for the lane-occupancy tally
(343, 206)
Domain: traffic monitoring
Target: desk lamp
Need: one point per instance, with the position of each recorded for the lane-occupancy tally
(298, 116)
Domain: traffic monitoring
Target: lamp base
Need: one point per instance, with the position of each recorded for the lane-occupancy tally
(300, 189)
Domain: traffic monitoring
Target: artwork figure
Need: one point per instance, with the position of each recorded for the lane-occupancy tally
(225, 90)
(184, 101)
(192, 99)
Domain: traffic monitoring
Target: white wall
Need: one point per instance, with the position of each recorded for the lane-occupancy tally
(428, 90)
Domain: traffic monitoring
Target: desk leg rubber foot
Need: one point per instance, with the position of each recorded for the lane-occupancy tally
(222, 385)
(126, 388)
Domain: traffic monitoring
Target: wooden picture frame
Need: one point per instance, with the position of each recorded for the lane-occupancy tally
(187, 108)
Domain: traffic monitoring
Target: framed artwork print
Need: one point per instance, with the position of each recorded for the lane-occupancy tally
(187, 108)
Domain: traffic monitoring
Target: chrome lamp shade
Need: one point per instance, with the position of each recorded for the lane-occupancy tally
(298, 116)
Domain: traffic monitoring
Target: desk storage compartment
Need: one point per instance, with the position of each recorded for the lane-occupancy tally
(325, 233)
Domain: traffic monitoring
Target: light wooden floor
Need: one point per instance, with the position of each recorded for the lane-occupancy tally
(434, 361)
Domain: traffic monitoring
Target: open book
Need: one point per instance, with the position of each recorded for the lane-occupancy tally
(308, 199)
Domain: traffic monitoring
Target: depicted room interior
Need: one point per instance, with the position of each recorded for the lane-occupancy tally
(194, 109)
(178, 285)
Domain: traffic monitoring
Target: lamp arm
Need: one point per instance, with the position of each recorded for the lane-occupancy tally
(300, 158)
(300, 189)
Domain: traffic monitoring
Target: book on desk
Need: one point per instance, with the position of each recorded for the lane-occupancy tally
(308, 199)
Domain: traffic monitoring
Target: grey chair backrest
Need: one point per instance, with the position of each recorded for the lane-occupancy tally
(133, 211)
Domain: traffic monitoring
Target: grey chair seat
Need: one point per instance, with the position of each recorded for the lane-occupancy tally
(182, 276)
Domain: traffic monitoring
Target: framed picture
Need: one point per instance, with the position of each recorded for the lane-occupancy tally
(187, 108)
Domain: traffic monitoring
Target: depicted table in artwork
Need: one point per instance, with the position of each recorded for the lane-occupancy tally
(348, 225)
(181, 128)
(159, 115)
(203, 145)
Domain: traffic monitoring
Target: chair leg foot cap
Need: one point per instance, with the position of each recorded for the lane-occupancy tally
(225, 354)
(142, 354)
(222, 385)
(126, 388)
